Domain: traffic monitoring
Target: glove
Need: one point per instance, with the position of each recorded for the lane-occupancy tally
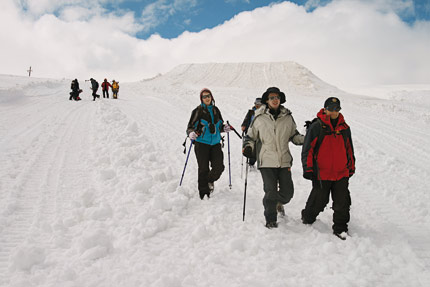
(227, 128)
(308, 175)
(192, 136)
(247, 152)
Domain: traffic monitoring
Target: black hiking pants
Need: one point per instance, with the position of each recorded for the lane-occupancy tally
(319, 198)
(206, 154)
(272, 177)
(95, 95)
(74, 96)
(107, 93)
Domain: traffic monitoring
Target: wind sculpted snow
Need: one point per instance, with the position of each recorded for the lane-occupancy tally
(90, 197)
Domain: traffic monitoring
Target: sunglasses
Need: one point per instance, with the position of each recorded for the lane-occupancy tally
(333, 109)
(274, 97)
(206, 96)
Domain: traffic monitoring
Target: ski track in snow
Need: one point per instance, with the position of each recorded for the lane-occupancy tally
(39, 193)
(90, 192)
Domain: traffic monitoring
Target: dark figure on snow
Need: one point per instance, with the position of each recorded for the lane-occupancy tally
(115, 89)
(204, 128)
(267, 140)
(328, 160)
(74, 94)
(94, 87)
(105, 88)
(247, 122)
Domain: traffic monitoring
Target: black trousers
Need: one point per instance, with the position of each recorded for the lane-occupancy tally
(107, 93)
(319, 197)
(272, 177)
(206, 154)
(74, 96)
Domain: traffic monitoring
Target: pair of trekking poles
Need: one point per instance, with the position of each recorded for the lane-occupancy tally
(229, 165)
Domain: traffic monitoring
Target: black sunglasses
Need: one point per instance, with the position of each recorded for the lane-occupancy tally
(206, 96)
(274, 97)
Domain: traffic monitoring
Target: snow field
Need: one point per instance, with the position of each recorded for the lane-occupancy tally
(90, 192)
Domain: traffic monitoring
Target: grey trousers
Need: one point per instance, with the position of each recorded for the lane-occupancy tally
(272, 177)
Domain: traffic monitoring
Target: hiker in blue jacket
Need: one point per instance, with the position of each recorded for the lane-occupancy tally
(204, 128)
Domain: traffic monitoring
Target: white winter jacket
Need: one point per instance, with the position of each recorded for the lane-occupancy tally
(269, 138)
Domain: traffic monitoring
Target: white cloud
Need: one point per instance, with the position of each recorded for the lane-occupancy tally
(159, 11)
(312, 4)
(345, 43)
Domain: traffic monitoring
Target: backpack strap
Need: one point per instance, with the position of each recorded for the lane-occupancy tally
(322, 134)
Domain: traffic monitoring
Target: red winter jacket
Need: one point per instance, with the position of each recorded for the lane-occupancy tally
(106, 85)
(334, 158)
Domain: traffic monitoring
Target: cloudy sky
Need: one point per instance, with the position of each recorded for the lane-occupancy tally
(344, 42)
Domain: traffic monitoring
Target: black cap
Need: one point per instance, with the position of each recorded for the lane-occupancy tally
(332, 104)
(275, 90)
(257, 101)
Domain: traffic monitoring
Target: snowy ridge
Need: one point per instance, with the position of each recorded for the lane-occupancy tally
(289, 76)
(90, 197)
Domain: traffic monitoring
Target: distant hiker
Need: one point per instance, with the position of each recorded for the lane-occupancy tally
(267, 140)
(105, 88)
(247, 121)
(328, 160)
(94, 87)
(204, 128)
(74, 94)
(115, 89)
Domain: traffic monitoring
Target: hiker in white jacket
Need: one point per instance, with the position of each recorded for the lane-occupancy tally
(268, 140)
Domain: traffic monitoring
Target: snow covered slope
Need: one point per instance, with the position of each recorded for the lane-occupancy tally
(89, 190)
(289, 76)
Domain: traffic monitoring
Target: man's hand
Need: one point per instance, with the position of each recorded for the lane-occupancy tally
(308, 175)
(247, 152)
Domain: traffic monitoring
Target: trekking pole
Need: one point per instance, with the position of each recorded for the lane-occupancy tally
(246, 183)
(234, 130)
(186, 161)
(241, 169)
(229, 168)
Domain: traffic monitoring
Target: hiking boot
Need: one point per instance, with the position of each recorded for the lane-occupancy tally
(211, 187)
(272, 224)
(280, 209)
(342, 235)
(304, 220)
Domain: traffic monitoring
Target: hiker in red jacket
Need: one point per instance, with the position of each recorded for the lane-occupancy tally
(328, 160)
(105, 88)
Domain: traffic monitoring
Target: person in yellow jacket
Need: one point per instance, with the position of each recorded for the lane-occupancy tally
(115, 88)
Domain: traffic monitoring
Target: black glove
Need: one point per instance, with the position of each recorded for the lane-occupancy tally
(247, 151)
(308, 175)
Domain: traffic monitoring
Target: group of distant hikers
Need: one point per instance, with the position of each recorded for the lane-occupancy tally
(76, 90)
(327, 154)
